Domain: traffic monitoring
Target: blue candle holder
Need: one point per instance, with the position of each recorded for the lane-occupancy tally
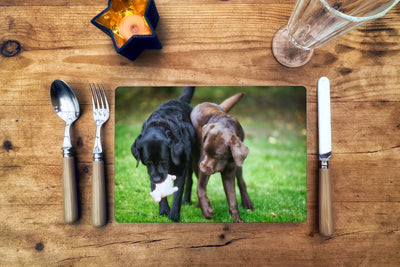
(122, 21)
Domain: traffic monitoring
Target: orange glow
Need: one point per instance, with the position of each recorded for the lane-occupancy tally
(126, 18)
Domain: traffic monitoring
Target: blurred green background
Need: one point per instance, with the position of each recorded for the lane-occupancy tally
(274, 120)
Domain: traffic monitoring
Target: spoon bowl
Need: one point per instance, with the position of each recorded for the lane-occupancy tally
(66, 105)
(64, 101)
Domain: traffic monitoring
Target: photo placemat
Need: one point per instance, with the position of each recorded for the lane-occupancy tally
(153, 137)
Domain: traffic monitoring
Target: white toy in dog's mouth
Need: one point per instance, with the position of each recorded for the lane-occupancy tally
(164, 189)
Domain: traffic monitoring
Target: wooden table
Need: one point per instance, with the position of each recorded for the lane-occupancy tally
(204, 43)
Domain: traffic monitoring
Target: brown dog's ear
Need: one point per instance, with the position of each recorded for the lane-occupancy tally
(238, 149)
(205, 129)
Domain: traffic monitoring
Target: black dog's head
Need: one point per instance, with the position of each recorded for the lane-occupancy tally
(158, 151)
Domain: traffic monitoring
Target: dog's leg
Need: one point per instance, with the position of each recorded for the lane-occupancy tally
(174, 214)
(163, 204)
(228, 179)
(189, 184)
(204, 202)
(246, 202)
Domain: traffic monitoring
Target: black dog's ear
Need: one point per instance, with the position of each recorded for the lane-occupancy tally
(189, 136)
(135, 149)
(176, 152)
(176, 147)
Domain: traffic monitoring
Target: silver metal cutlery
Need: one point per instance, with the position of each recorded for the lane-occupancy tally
(66, 105)
(101, 113)
(325, 151)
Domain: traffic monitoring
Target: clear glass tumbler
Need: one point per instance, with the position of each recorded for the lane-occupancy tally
(315, 23)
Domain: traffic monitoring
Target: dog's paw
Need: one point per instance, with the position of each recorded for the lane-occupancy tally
(247, 204)
(206, 208)
(164, 208)
(208, 213)
(174, 216)
(236, 217)
(164, 212)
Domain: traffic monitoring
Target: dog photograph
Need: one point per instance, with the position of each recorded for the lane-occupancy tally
(210, 154)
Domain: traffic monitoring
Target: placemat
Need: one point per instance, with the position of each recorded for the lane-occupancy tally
(274, 122)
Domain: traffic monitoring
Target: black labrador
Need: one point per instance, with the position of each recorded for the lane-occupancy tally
(166, 145)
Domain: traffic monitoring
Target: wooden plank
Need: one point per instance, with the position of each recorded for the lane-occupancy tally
(41, 239)
(190, 57)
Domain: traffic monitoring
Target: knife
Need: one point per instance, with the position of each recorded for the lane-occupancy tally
(325, 152)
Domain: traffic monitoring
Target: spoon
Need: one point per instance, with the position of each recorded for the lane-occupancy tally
(66, 105)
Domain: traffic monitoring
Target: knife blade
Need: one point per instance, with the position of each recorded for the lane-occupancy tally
(325, 151)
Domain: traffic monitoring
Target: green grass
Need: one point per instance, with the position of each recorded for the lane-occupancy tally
(274, 171)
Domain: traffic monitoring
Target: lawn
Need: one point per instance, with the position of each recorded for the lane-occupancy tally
(275, 169)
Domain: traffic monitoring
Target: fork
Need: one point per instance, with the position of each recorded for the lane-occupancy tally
(101, 113)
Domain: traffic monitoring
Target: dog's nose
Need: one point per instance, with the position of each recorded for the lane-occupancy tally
(157, 179)
(204, 168)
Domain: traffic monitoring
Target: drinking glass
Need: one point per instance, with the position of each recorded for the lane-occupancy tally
(315, 23)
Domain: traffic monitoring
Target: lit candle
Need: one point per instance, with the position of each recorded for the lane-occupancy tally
(123, 19)
(133, 25)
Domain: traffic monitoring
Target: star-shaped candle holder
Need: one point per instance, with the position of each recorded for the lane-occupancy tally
(131, 25)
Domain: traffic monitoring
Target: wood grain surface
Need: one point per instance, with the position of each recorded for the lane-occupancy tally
(205, 42)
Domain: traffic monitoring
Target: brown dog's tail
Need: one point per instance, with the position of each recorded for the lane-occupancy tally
(230, 102)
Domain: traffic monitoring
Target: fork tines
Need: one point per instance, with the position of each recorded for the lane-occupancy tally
(97, 92)
(101, 113)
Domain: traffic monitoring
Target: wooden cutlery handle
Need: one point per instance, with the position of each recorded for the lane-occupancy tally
(70, 197)
(325, 203)
(99, 210)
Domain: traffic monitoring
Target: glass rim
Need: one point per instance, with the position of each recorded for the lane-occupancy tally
(355, 18)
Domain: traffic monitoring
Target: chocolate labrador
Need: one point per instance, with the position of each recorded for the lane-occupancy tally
(165, 145)
(221, 150)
